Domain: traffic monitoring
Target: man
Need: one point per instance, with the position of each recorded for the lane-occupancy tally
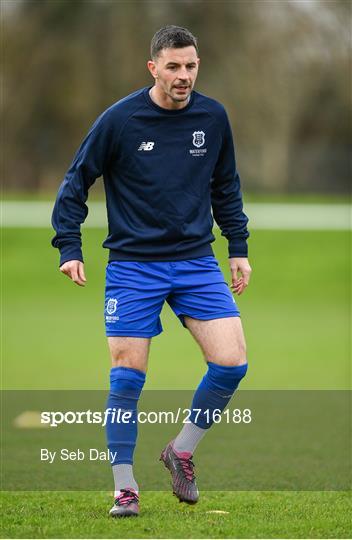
(167, 157)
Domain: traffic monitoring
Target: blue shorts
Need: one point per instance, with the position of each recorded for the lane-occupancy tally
(135, 293)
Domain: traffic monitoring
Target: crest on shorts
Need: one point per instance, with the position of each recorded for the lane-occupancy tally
(111, 306)
(198, 138)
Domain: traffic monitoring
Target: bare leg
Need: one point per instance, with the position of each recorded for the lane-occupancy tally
(131, 352)
(221, 340)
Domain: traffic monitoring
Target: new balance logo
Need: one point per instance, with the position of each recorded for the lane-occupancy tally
(147, 146)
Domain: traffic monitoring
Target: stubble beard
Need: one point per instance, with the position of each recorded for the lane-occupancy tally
(180, 99)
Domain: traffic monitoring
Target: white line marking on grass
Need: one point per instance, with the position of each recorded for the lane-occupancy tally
(29, 420)
(299, 216)
(216, 512)
(282, 216)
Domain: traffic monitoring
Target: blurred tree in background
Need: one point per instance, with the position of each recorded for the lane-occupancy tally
(281, 68)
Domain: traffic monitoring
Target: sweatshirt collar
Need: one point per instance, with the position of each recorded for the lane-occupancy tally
(162, 110)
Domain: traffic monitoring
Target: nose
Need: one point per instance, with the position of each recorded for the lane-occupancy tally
(183, 74)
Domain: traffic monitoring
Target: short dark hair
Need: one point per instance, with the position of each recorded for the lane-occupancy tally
(172, 37)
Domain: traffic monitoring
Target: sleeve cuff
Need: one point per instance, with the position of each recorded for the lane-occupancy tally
(238, 248)
(70, 253)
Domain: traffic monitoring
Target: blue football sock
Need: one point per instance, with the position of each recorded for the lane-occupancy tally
(214, 392)
(126, 385)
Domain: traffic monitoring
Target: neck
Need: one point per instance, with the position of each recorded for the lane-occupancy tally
(163, 100)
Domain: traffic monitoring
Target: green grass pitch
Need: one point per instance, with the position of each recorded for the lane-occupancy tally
(297, 323)
(248, 515)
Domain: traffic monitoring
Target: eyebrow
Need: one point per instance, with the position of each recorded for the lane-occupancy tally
(177, 64)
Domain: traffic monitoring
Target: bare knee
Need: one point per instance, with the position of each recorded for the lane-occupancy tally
(231, 353)
(240, 356)
(235, 354)
(129, 352)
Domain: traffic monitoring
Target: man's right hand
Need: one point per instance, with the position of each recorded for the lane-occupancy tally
(75, 271)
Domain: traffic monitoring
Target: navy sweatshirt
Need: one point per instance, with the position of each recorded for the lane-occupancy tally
(164, 170)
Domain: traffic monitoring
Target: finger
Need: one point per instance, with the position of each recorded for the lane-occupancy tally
(64, 269)
(237, 290)
(246, 276)
(242, 289)
(81, 274)
(236, 278)
(78, 280)
(75, 276)
(237, 283)
(234, 270)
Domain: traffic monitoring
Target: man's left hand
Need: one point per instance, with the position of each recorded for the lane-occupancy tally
(240, 272)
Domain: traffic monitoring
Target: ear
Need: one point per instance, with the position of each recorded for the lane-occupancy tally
(152, 68)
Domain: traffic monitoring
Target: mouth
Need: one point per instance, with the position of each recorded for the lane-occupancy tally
(181, 88)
